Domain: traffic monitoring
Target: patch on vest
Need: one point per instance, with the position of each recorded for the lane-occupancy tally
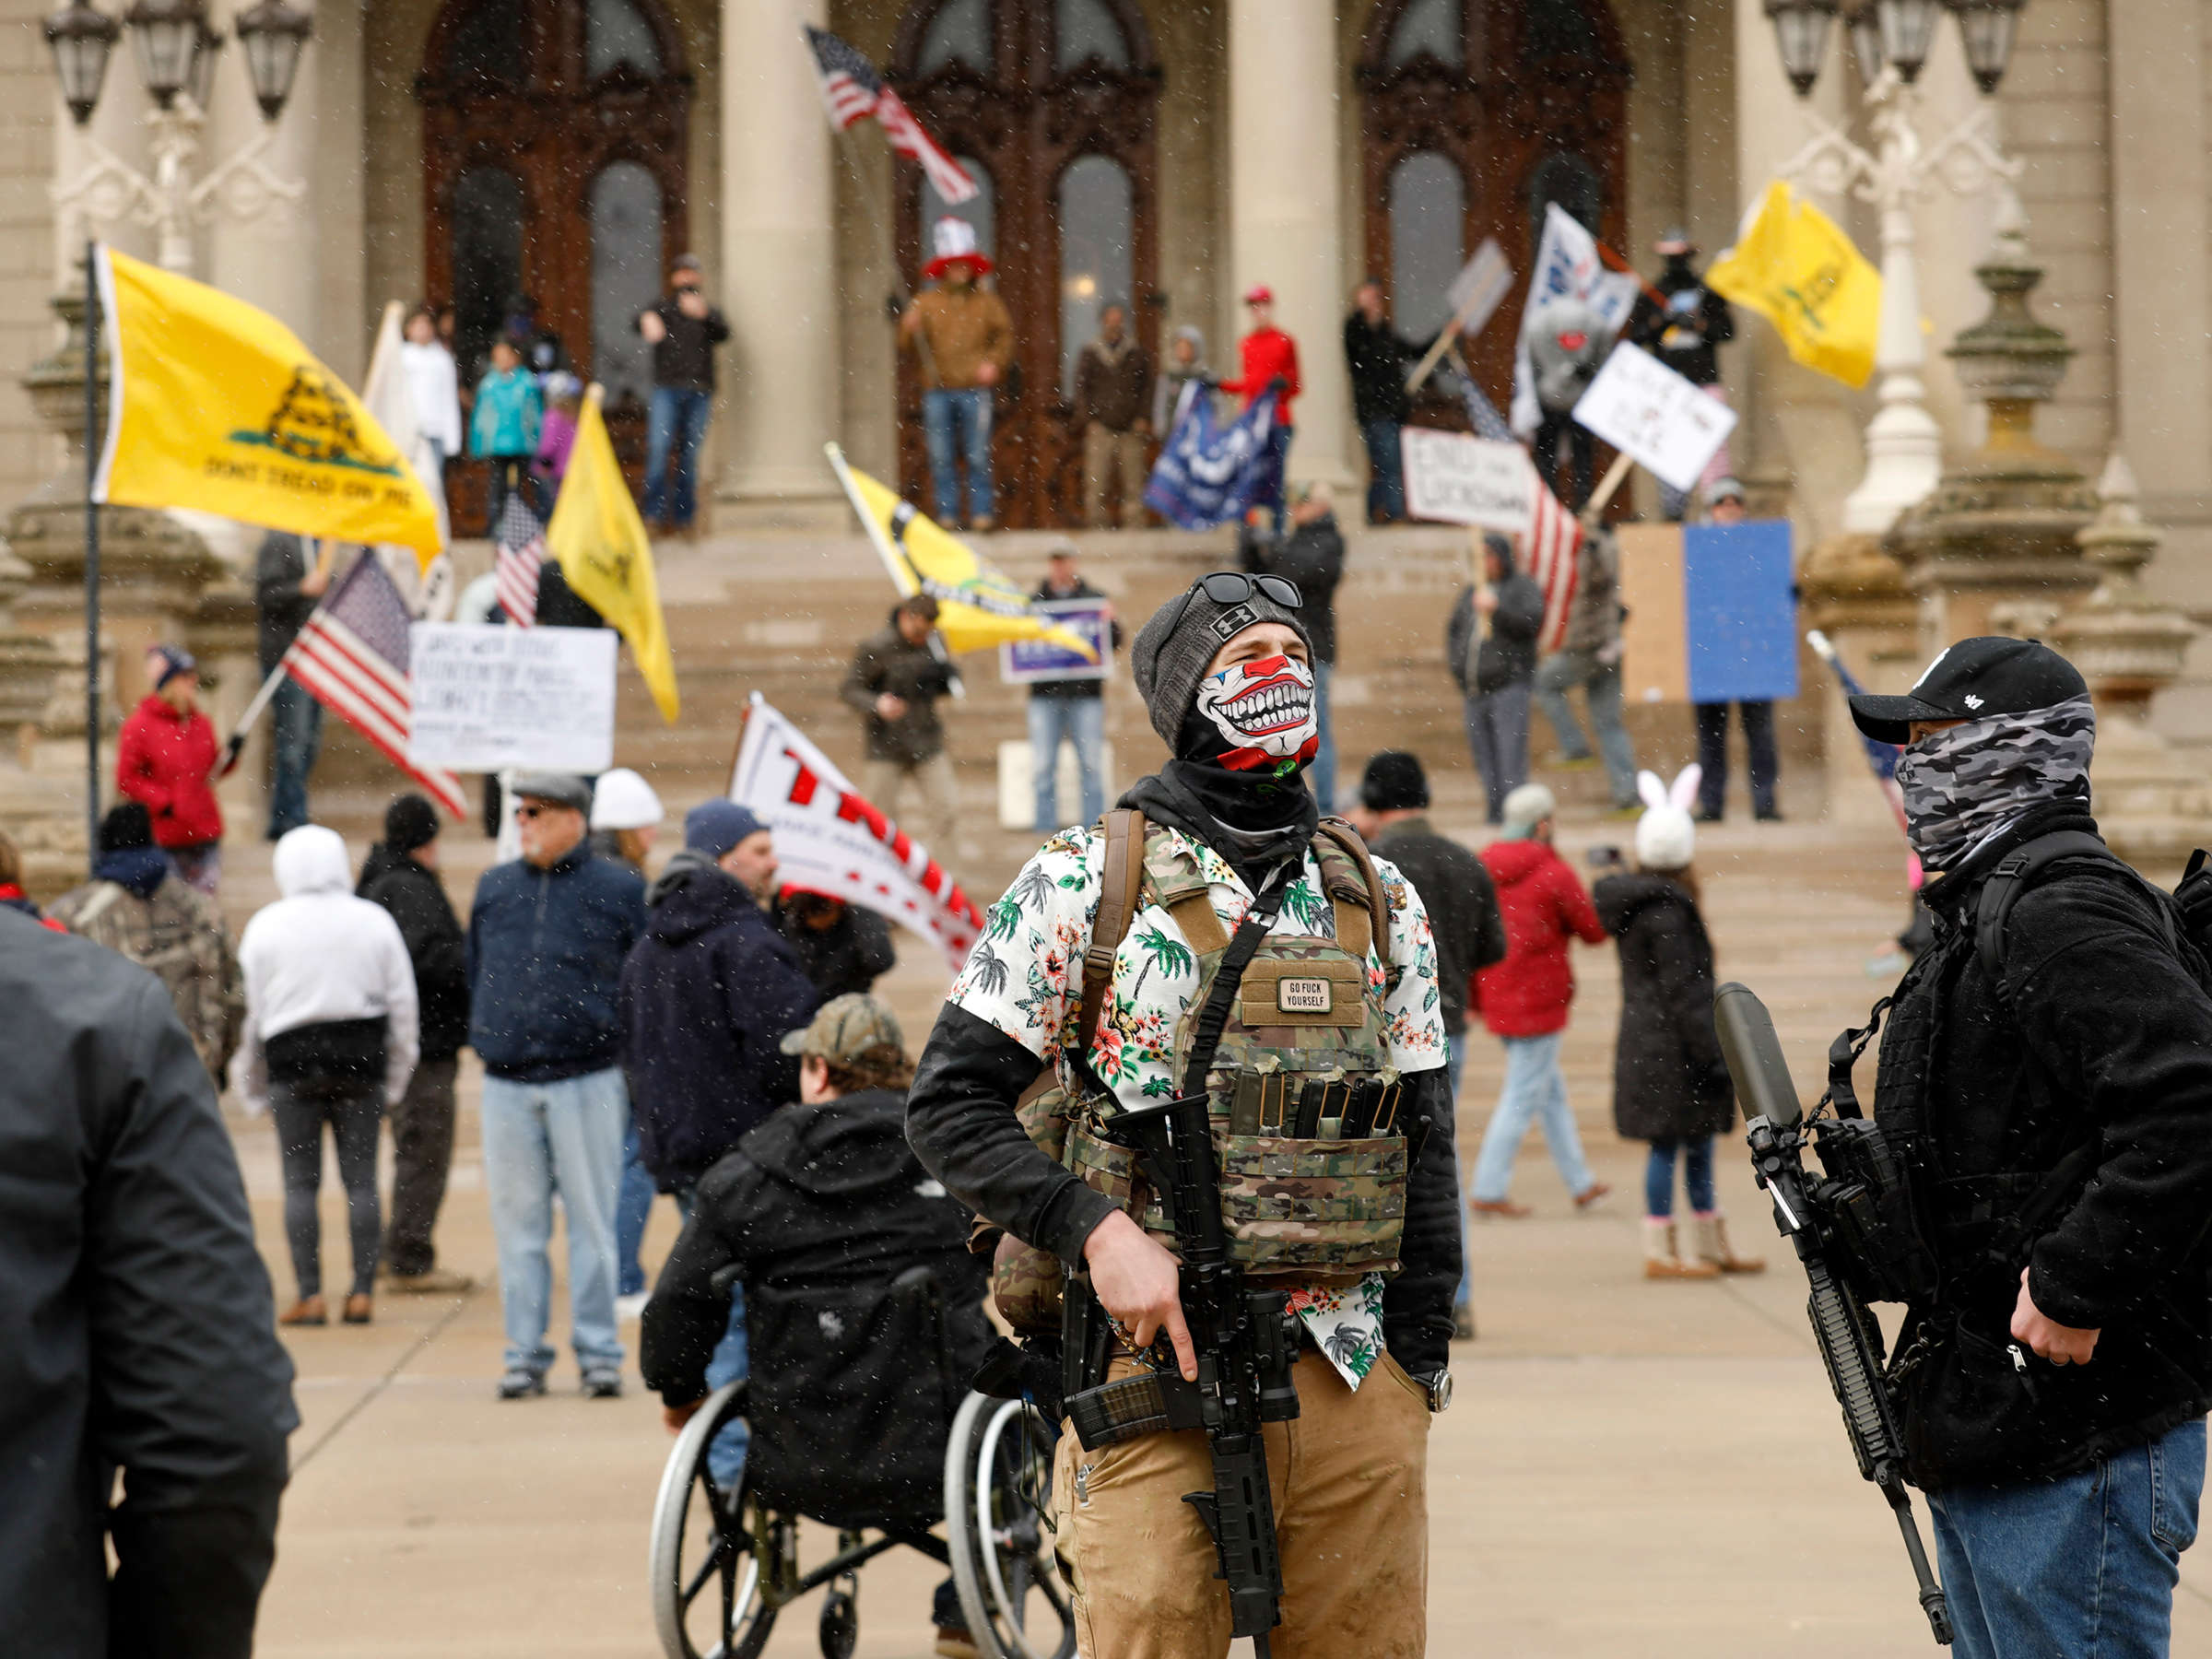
(1303, 995)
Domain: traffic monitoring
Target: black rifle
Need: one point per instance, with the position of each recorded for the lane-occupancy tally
(1244, 1336)
(1244, 1350)
(1850, 1340)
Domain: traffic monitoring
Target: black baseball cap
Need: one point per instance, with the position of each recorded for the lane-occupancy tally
(1972, 680)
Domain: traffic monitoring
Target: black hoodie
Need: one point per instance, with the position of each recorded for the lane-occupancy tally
(436, 945)
(707, 993)
(1508, 656)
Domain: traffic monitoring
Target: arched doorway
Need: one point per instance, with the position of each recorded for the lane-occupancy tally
(554, 136)
(1051, 105)
(1475, 115)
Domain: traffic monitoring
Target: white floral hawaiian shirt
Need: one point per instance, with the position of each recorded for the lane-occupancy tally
(1025, 976)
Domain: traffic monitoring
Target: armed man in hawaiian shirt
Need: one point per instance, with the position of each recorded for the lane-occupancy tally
(1331, 1124)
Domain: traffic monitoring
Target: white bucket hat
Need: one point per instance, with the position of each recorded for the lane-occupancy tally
(625, 800)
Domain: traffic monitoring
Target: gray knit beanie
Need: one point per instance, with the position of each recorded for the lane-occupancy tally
(1172, 650)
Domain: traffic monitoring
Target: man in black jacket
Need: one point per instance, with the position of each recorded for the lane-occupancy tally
(1225, 673)
(1377, 355)
(1393, 816)
(289, 581)
(1683, 333)
(683, 329)
(823, 1202)
(2051, 1085)
(1490, 647)
(136, 1326)
(894, 685)
(1312, 556)
(401, 874)
(840, 947)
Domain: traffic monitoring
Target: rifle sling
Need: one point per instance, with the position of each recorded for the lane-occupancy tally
(1242, 946)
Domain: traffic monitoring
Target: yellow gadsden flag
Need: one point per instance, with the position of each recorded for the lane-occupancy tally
(217, 408)
(1793, 266)
(978, 605)
(599, 542)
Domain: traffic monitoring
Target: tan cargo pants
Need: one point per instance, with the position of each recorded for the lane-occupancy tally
(1349, 1480)
(1104, 452)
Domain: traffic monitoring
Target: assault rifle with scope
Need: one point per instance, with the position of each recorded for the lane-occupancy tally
(1818, 1213)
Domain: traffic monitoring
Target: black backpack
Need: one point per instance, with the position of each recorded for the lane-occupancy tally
(2185, 914)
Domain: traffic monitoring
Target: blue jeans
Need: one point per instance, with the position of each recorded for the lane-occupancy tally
(1534, 1088)
(1697, 1175)
(1082, 721)
(1601, 688)
(633, 1209)
(725, 1457)
(1322, 772)
(675, 423)
(1386, 471)
(1277, 495)
(1455, 1066)
(295, 736)
(539, 1139)
(1498, 737)
(2075, 1567)
(958, 424)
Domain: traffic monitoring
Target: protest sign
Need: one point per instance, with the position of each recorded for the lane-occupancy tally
(1464, 480)
(1480, 286)
(1025, 662)
(830, 839)
(489, 698)
(1641, 406)
(1711, 612)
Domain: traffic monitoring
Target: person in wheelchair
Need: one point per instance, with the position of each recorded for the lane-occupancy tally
(864, 1304)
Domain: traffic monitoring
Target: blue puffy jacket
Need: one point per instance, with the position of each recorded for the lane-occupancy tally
(706, 995)
(509, 410)
(545, 949)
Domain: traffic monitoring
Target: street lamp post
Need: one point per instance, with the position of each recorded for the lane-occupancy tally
(175, 50)
(1892, 40)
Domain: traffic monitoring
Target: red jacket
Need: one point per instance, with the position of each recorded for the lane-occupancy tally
(163, 759)
(1544, 906)
(1268, 353)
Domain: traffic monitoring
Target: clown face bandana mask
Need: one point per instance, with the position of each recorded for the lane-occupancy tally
(1961, 785)
(1261, 714)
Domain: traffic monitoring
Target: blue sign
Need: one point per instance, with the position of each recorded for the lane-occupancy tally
(1740, 606)
(1021, 662)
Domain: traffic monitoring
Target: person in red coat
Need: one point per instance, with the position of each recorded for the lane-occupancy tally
(1269, 355)
(1524, 999)
(165, 758)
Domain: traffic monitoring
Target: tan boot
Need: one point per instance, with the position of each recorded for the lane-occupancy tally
(1709, 1234)
(1660, 1262)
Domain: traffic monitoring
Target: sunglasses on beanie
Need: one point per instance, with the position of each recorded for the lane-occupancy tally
(1234, 587)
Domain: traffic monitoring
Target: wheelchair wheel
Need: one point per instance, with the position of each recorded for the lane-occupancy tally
(711, 1549)
(998, 1482)
(841, 1620)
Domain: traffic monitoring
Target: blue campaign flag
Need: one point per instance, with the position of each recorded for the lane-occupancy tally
(1209, 474)
(1740, 606)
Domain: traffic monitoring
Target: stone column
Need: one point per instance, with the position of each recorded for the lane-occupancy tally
(265, 249)
(44, 820)
(778, 277)
(1285, 214)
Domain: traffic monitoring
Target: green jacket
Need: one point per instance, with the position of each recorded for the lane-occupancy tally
(180, 938)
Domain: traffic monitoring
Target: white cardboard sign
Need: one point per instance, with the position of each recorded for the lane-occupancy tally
(1482, 283)
(1464, 480)
(1641, 406)
(490, 698)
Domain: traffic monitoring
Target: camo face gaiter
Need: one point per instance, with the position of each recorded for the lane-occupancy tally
(1960, 785)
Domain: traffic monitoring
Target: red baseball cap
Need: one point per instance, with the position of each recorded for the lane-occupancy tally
(1261, 295)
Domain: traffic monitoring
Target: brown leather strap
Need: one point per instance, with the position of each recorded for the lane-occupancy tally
(1200, 923)
(1347, 841)
(1120, 884)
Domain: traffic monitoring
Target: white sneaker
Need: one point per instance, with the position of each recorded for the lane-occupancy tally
(629, 1309)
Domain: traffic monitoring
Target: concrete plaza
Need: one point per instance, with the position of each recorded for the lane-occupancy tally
(1630, 1469)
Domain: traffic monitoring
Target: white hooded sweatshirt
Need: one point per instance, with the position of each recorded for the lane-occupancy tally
(320, 954)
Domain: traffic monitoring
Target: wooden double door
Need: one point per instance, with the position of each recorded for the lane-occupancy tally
(1051, 106)
(554, 136)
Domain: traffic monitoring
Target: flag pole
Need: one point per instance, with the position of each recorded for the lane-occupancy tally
(94, 443)
(1595, 506)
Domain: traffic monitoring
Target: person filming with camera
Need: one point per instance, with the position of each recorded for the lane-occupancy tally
(2045, 1080)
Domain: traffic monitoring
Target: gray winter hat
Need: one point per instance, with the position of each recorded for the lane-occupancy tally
(1172, 649)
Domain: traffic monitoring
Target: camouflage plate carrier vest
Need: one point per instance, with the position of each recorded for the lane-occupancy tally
(1307, 1108)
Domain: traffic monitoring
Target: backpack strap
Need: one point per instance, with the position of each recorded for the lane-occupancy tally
(1120, 882)
(2018, 870)
(1348, 871)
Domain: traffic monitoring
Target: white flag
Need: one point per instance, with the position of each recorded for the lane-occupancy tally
(831, 840)
(1567, 266)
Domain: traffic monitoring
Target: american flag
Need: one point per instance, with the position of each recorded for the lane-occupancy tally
(351, 655)
(1550, 552)
(851, 91)
(520, 557)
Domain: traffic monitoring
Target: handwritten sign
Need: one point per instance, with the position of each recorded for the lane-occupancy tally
(489, 697)
(1464, 480)
(1643, 408)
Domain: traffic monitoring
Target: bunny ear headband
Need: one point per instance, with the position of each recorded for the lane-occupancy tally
(1657, 795)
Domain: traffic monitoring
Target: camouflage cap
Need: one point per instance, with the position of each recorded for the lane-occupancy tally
(854, 1029)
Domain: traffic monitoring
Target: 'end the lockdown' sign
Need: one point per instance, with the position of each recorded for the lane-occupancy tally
(1464, 480)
